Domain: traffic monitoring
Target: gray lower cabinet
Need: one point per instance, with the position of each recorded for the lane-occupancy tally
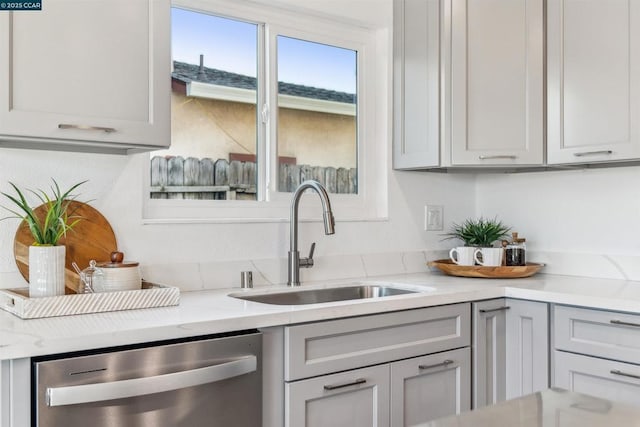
(511, 350)
(597, 352)
(430, 387)
(409, 392)
(356, 398)
(15, 393)
(608, 379)
(489, 352)
(394, 369)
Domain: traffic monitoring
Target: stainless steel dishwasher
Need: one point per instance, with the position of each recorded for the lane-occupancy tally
(211, 381)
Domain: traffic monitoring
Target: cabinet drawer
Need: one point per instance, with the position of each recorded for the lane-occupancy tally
(600, 333)
(337, 345)
(608, 379)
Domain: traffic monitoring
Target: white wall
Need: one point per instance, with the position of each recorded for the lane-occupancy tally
(581, 221)
(115, 184)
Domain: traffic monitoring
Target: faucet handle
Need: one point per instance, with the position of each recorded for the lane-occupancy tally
(308, 262)
(312, 250)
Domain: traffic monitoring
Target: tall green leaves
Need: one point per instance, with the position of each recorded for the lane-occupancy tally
(57, 219)
(478, 232)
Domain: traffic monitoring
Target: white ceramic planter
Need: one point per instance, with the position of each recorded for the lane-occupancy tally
(46, 271)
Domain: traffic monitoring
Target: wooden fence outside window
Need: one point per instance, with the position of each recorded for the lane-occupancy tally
(174, 177)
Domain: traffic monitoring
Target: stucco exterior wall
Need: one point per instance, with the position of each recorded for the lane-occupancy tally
(202, 127)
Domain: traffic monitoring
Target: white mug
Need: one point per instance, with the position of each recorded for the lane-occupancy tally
(489, 257)
(464, 255)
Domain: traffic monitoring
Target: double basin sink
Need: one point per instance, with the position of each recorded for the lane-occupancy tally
(332, 294)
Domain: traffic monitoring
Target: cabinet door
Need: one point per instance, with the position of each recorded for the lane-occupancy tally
(611, 380)
(527, 336)
(15, 393)
(416, 84)
(429, 387)
(87, 70)
(593, 80)
(489, 349)
(497, 72)
(357, 398)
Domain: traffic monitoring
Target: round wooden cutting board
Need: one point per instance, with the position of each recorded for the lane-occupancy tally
(91, 238)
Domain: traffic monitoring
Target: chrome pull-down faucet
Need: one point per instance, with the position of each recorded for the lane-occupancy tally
(295, 262)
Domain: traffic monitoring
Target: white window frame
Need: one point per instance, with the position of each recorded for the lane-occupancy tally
(372, 123)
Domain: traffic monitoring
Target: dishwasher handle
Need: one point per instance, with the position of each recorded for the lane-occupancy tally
(97, 392)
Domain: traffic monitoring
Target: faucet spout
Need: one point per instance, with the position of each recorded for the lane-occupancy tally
(295, 262)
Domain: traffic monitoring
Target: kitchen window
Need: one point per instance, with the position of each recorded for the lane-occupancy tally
(263, 99)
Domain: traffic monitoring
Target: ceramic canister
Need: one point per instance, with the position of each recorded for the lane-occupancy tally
(120, 275)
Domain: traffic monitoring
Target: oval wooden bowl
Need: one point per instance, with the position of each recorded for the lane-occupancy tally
(502, 272)
(91, 238)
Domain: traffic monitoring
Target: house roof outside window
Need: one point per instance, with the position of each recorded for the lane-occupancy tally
(212, 83)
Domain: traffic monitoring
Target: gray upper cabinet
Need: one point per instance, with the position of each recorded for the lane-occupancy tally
(468, 83)
(593, 81)
(86, 75)
(416, 84)
(497, 74)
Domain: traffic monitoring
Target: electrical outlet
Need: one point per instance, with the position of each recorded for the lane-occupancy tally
(433, 217)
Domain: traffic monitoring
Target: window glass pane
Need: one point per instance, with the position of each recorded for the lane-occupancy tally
(317, 132)
(213, 111)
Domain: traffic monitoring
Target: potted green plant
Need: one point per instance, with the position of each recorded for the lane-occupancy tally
(478, 236)
(47, 224)
(479, 232)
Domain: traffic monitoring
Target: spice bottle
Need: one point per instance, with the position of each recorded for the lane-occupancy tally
(515, 251)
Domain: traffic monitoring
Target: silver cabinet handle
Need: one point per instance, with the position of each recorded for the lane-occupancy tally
(437, 365)
(343, 385)
(97, 392)
(592, 153)
(624, 374)
(85, 127)
(620, 322)
(508, 157)
(491, 310)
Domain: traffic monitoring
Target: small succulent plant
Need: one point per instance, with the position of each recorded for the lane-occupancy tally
(478, 232)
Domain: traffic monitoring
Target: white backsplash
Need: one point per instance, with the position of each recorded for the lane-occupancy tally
(273, 271)
(350, 267)
(217, 275)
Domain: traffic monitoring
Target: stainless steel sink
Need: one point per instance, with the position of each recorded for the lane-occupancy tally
(314, 296)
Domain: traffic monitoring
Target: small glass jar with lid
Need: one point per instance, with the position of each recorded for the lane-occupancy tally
(515, 251)
(91, 279)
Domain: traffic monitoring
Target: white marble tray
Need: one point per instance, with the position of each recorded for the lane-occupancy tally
(151, 295)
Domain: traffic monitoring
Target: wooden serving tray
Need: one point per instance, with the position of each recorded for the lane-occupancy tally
(502, 272)
(17, 301)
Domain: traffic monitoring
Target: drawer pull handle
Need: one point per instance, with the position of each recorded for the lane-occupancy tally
(85, 127)
(343, 385)
(620, 322)
(511, 157)
(437, 365)
(624, 374)
(491, 310)
(592, 153)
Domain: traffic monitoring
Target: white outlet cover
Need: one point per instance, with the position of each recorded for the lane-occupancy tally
(433, 217)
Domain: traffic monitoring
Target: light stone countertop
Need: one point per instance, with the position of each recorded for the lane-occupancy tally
(548, 408)
(213, 311)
